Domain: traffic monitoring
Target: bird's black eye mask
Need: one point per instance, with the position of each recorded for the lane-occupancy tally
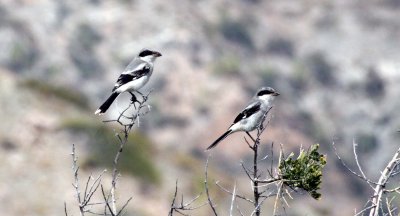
(264, 92)
(145, 53)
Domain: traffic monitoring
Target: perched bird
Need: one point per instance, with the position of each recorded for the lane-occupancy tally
(251, 117)
(134, 77)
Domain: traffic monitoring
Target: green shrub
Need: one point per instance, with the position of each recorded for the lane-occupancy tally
(236, 32)
(299, 81)
(62, 93)
(22, 56)
(321, 69)
(268, 75)
(305, 172)
(136, 158)
(82, 50)
(281, 47)
(375, 85)
(227, 65)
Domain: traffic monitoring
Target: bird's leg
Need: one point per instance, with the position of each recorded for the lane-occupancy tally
(133, 99)
(251, 137)
(261, 127)
(144, 97)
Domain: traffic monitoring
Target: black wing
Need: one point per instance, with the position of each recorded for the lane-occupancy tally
(125, 78)
(250, 110)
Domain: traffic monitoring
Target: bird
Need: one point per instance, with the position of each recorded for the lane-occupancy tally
(134, 77)
(252, 115)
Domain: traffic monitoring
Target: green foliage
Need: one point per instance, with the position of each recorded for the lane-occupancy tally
(22, 56)
(82, 50)
(21, 51)
(375, 85)
(321, 69)
(268, 75)
(236, 32)
(299, 81)
(227, 65)
(58, 92)
(103, 145)
(281, 47)
(88, 36)
(304, 172)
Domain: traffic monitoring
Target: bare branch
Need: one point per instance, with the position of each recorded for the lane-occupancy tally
(238, 209)
(364, 210)
(183, 206)
(124, 206)
(358, 163)
(246, 170)
(75, 169)
(269, 181)
(277, 197)
(255, 176)
(236, 195)
(206, 187)
(233, 200)
(348, 168)
(127, 121)
(107, 203)
(123, 139)
(388, 206)
(380, 187)
(65, 209)
(171, 212)
(397, 190)
(93, 187)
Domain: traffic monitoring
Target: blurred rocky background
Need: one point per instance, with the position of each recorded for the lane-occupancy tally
(335, 63)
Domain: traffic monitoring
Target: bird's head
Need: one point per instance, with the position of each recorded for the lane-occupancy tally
(149, 55)
(266, 94)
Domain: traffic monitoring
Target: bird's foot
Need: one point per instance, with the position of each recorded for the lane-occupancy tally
(144, 97)
(133, 99)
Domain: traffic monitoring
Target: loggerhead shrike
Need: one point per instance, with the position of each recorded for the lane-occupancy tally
(134, 77)
(251, 117)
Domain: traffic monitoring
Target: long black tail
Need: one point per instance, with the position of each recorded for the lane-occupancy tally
(219, 139)
(104, 107)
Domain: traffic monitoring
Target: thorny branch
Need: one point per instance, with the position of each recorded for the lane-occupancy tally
(206, 187)
(120, 212)
(127, 120)
(260, 192)
(91, 186)
(383, 180)
(255, 175)
(75, 169)
(182, 205)
(375, 204)
(233, 200)
(348, 168)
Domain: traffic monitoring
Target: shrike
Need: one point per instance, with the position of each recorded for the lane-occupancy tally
(134, 77)
(251, 117)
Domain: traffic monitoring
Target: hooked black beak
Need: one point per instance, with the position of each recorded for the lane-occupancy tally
(157, 54)
(275, 94)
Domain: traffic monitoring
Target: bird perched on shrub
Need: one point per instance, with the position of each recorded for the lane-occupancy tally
(252, 116)
(134, 77)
